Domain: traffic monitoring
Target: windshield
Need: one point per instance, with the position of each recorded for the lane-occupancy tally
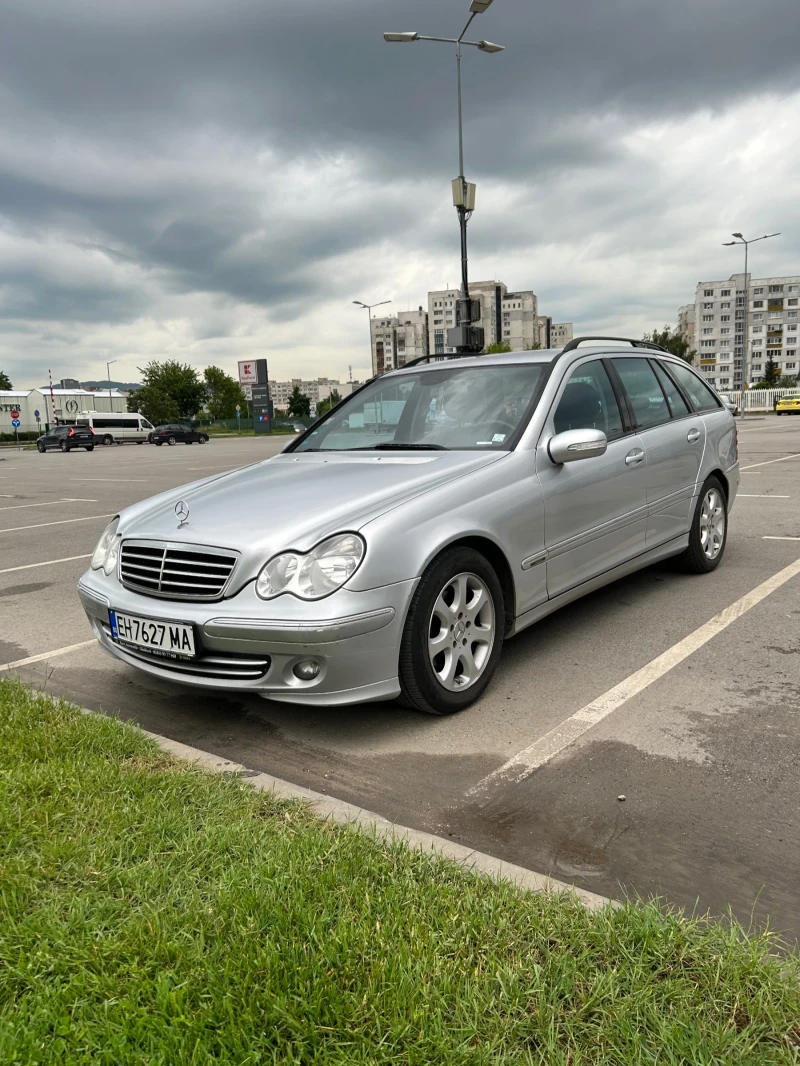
(454, 408)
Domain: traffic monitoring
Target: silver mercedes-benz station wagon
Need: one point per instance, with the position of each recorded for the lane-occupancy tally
(391, 549)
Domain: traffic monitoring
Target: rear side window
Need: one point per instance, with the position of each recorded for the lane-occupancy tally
(130, 423)
(677, 404)
(641, 384)
(588, 402)
(699, 393)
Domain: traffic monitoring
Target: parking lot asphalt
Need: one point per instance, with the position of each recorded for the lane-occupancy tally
(702, 742)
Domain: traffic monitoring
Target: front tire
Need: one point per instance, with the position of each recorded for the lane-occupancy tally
(108, 439)
(202, 439)
(40, 447)
(453, 634)
(89, 447)
(709, 533)
(158, 443)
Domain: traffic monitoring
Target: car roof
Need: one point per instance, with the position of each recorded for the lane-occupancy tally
(542, 356)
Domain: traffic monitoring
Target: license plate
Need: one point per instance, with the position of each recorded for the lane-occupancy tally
(168, 640)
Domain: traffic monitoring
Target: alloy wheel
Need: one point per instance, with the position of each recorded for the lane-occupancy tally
(461, 632)
(712, 524)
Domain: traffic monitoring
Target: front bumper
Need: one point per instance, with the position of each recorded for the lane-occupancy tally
(249, 645)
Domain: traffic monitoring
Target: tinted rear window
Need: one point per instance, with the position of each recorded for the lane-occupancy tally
(700, 394)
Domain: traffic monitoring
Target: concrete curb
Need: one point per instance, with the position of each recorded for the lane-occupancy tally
(339, 811)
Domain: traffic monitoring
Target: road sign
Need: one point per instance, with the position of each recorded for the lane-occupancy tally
(238, 408)
(15, 423)
(15, 413)
(248, 373)
(36, 415)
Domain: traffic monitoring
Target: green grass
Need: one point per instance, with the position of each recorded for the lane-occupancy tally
(151, 914)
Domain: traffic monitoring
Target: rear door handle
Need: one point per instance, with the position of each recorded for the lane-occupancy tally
(693, 435)
(634, 457)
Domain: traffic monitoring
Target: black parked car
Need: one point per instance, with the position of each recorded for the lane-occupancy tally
(171, 434)
(66, 438)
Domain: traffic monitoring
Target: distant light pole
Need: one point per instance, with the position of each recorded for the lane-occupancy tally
(730, 244)
(464, 338)
(108, 374)
(368, 309)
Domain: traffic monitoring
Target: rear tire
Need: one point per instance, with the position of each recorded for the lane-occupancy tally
(202, 439)
(709, 533)
(158, 443)
(89, 447)
(108, 439)
(64, 446)
(172, 442)
(458, 596)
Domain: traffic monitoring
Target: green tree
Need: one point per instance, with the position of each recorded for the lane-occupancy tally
(223, 393)
(154, 405)
(535, 347)
(771, 372)
(498, 348)
(299, 405)
(5, 381)
(171, 381)
(326, 405)
(786, 381)
(672, 341)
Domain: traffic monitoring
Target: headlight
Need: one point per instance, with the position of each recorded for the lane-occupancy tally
(323, 570)
(107, 551)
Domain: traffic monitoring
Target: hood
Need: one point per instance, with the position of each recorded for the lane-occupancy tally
(294, 501)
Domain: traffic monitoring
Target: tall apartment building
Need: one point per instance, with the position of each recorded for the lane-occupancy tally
(686, 325)
(554, 334)
(505, 316)
(397, 339)
(766, 327)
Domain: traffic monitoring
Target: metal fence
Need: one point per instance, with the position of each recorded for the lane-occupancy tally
(759, 399)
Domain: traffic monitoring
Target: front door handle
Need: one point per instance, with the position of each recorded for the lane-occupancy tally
(634, 457)
(693, 435)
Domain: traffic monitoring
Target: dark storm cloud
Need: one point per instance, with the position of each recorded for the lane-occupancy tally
(135, 137)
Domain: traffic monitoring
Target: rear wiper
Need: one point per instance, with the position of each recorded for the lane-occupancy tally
(392, 446)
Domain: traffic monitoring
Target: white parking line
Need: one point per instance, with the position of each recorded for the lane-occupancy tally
(50, 503)
(795, 455)
(46, 655)
(61, 522)
(749, 496)
(50, 562)
(780, 538)
(138, 480)
(525, 762)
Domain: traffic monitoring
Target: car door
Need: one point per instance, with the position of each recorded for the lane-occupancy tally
(674, 438)
(595, 508)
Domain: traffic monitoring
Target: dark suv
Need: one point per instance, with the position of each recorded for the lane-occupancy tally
(66, 438)
(174, 433)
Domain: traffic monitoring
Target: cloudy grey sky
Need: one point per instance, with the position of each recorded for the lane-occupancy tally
(215, 181)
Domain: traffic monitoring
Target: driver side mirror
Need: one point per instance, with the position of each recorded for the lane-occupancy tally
(576, 444)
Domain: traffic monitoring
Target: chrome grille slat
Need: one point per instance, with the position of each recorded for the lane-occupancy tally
(176, 571)
(223, 668)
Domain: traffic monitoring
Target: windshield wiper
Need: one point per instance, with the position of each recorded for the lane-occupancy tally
(395, 446)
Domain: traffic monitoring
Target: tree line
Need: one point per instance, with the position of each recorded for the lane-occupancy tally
(173, 391)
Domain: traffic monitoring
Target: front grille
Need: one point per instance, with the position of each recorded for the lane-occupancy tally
(175, 572)
(220, 667)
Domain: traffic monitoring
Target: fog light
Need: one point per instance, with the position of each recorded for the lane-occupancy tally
(307, 670)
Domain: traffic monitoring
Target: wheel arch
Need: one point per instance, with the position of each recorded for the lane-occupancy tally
(722, 479)
(495, 555)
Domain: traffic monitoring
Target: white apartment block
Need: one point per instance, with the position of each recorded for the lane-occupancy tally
(397, 339)
(686, 325)
(767, 327)
(317, 390)
(554, 334)
(505, 316)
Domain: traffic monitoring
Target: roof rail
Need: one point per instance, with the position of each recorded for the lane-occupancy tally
(572, 345)
(437, 356)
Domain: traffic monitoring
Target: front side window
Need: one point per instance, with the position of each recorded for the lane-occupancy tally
(701, 396)
(588, 402)
(453, 408)
(648, 401)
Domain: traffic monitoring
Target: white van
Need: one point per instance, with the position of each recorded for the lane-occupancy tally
(116, 428)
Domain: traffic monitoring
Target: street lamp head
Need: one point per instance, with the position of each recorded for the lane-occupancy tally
(477, 7)
(729, 244)
(487, 46)
(358, 303)
(737, 235)
(400, 38)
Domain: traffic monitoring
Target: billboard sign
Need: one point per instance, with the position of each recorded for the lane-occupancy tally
(248, 372)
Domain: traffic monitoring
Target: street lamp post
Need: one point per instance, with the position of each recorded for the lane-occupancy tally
(730, 244)
(108, 375)
(368, 309)
(465, 338)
